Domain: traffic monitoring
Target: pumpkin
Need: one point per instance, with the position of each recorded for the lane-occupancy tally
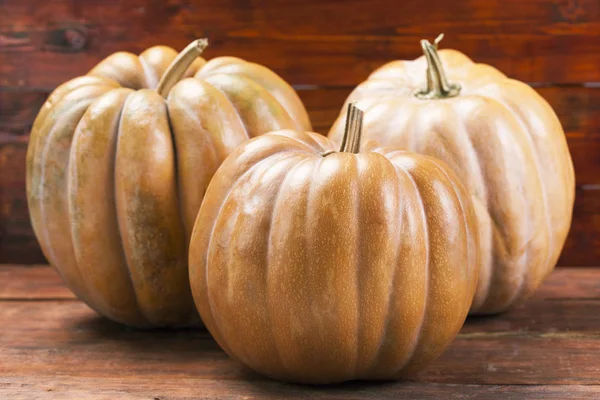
(504, 142)
(316, 266)
(118, 163)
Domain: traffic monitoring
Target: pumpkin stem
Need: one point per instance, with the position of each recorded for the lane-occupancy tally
(437, 83)
(353, 130)
(179, 65)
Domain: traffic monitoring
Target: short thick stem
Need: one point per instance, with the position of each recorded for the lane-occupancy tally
(438, 86)
(353, 130)
(177, 69)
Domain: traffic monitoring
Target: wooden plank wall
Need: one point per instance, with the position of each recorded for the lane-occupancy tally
(323, 48)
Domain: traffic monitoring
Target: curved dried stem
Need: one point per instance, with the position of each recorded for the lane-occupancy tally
(178, 67)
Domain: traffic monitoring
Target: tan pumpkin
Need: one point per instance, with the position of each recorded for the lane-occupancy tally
(316, 266)
(504, 142)
(116, 172)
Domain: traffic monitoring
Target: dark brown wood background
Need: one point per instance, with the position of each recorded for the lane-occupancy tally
(323, 48)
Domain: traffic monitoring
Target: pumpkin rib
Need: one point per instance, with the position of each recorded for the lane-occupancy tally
(194, 136)
(118, 220)
(529, 136)
(275, 201)
(55, 98)
(213, 325)
(88, 247)
(263, 114)
(238, 113)
(519, 292)
(275, 85)
(438, 253)
(236, 238)
(371, 370)
(525, 271)
(404, 175)
(64, 124)
(360, 317)
(459, 194)
(155, 61)
(148, 210)
(149, 76)
(123, 67)
(480, 196)
(372, 190)
(324, 179)
(427, 269)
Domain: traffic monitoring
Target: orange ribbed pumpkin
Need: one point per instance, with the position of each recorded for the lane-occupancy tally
(316, 266)
(118, 163)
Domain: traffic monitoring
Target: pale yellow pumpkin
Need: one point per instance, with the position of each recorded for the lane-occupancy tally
(504, 142)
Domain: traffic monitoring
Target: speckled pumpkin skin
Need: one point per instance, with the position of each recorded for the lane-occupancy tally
(507, 146)
(116, 173)
(321, 269)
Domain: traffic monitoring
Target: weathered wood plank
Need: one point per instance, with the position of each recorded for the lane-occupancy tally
(144, 388)
(349, 59)
(571, 283)
(546, 349)
(71, 338)
(31, 282)
(410, 17)
(18, 110)
(307, 43)
(17, 242)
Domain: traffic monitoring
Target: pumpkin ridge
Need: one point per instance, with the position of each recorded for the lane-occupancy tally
(549, 236)
(122, 250)
(216, 326)
(153, 237)
(46, 139)
(369, 372)
(275, 202)
(74, 212)
(483, 198)
(150, 79)
(525, 271)
(464, 209)
(277, 117)
(302, 122)
(53, 100)
(254, 186)
(119, 227)
(233, 105)
(358, 259)
(418, 339)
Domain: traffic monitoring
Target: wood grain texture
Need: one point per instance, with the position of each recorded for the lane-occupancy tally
(145, 388)
(33, 282)
(546, 349)
(77, 342)
(541, 41)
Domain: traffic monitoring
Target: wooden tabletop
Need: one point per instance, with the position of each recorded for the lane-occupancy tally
(53, 346)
